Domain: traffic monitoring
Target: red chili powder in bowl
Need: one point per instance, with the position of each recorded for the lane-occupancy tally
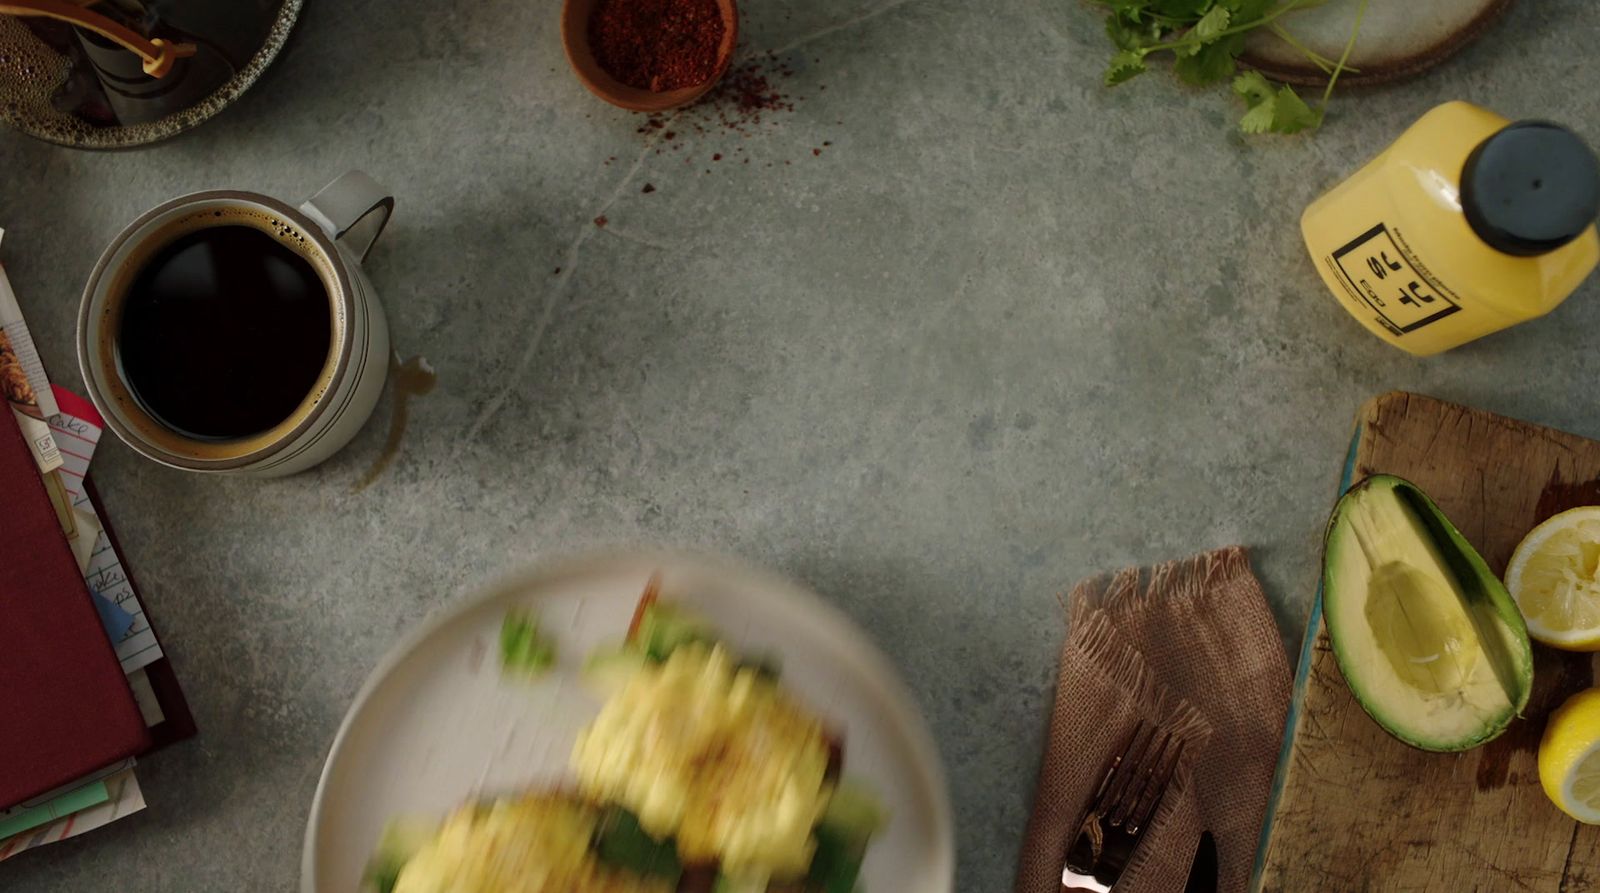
(657, 45)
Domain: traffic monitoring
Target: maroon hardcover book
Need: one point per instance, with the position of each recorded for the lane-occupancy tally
(65, 706)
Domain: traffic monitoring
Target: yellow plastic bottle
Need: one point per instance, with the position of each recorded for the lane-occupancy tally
(1467, 224)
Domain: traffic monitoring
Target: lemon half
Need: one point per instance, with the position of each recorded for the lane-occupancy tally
(1569, 757)
(1554, 577)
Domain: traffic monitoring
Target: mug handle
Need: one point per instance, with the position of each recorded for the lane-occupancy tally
(353, 209)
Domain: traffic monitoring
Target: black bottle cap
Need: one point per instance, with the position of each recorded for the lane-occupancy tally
(1530, 188)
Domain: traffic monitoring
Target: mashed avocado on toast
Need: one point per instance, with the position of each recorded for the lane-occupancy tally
(701, 774)
(536, 843)
(716, 757)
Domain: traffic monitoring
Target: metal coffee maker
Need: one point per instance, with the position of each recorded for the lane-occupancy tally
(118, 73)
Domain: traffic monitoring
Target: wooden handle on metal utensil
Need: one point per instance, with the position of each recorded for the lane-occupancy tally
(158, 54)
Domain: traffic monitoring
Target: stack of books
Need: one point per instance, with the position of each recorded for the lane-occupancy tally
(85, 688)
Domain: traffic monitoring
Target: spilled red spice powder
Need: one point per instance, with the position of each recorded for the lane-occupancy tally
(741, 103)
(657, 45)
(747, 90)
(745, 103)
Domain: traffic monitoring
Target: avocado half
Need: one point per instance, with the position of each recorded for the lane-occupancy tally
(1429, 641)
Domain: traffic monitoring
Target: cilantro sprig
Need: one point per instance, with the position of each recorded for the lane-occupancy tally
(524, 648)
(1204, 39)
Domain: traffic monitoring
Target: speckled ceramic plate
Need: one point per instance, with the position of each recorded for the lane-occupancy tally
(1397, 40)
(436, 725)
(32, 72)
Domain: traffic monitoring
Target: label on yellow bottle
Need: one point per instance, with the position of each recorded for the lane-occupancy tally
(1380, 270)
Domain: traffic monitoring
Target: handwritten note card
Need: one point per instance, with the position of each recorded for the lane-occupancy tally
(77, 430)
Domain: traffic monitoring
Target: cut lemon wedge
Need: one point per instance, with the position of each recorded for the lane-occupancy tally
(1554, 577)
(1569, 757)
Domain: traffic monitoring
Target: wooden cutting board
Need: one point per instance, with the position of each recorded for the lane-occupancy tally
(1354, 809)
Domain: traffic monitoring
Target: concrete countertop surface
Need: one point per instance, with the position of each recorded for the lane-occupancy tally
(967, 326)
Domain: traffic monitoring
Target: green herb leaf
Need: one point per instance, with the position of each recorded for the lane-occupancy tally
(621, 842)
(1247, 10)
(1259, 118)
(1129, 35)
(1253, 86)
(1183, 10)
(1124, 66)
(1213, 63)
(852, 817)
(1212, 24)
(1272, 110)
(1204, 39)
(522, 648)
(1259, 99)
(1132, 10)
(1292, 115)
(401, 840)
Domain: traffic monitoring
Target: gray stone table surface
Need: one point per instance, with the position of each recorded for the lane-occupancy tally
(1006, 329)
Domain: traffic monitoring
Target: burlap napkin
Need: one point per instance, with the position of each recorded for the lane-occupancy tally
(1192, 646)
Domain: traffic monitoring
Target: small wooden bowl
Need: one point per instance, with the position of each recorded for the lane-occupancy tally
(575, 39)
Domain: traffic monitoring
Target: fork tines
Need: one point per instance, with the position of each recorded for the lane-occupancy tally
(1137, 778)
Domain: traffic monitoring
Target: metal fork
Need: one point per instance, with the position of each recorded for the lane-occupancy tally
(1128, 796)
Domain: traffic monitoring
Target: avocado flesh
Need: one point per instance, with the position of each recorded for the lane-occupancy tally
(1429, 645)
(1426, 637)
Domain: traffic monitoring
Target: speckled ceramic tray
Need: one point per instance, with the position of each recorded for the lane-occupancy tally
(437, 725)
(32, 74)
(1397, 39)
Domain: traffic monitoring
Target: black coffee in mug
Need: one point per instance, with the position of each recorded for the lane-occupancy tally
(228, 332)
(224, 331)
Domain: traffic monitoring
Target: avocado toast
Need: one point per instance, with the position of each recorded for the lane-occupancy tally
(701, 774)
(538, 842)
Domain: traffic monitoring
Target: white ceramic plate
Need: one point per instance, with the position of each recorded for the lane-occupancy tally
(436, 725)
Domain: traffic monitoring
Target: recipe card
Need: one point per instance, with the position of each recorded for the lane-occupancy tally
(77, 430)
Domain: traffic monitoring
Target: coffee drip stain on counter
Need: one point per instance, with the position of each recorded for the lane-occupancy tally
(412, 378)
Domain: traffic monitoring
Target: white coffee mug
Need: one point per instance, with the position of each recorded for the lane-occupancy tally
(333, 230)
